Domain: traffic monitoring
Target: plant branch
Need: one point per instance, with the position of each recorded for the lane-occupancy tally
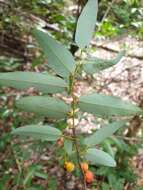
(106, 13)
(74, 130)
(74, 48)
(129, 138)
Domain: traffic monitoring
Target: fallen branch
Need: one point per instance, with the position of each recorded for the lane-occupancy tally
(115, 51)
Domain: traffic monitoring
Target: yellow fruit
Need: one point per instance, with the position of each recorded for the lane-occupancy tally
(84, 166)
(69, 166)
(89, 177)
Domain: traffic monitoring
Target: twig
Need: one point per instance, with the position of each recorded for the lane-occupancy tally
(103, 46)
(129, 138)
(74, 131)
(106, 13)
(4, 2)
(74, 48)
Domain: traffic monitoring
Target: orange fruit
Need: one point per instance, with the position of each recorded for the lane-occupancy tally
(84, 166)
(89, 177)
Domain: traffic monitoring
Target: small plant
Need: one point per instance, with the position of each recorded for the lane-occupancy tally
(66, 70)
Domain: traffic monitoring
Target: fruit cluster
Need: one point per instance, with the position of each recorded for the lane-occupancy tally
(88, 175)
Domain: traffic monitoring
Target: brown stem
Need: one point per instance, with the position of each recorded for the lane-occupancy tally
(74, 133)
(106, 13)
(74, 48)
(129, 138)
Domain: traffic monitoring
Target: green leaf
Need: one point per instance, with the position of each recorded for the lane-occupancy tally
(95, 156)
(86, 23)
(102, 105)
(103, 133)
(43, 132)
(116, 183)
(118, 142)
(43, 82)
(94, 64)
(108, 148)
(29, 175)
(28, 178)
(52, 183)
(68, 145)
(36, 187)
(105, 186)
(44, 106)
(41, 175)
(59, 58)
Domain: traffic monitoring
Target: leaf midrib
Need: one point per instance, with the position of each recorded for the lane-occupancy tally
(32, 82)
(59, 110)
(108, 106)
(36, 133)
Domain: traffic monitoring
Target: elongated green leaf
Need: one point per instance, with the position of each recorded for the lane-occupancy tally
(59, 58)
(86, 23)
(68, 145)
(41, 175)
(100, 157)
(108, 148)
(94, 65)
(44, 106)
(43, 82)
(102, 105)
(118, 142)
(43, 132)
(103, 133)
(29, 175)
